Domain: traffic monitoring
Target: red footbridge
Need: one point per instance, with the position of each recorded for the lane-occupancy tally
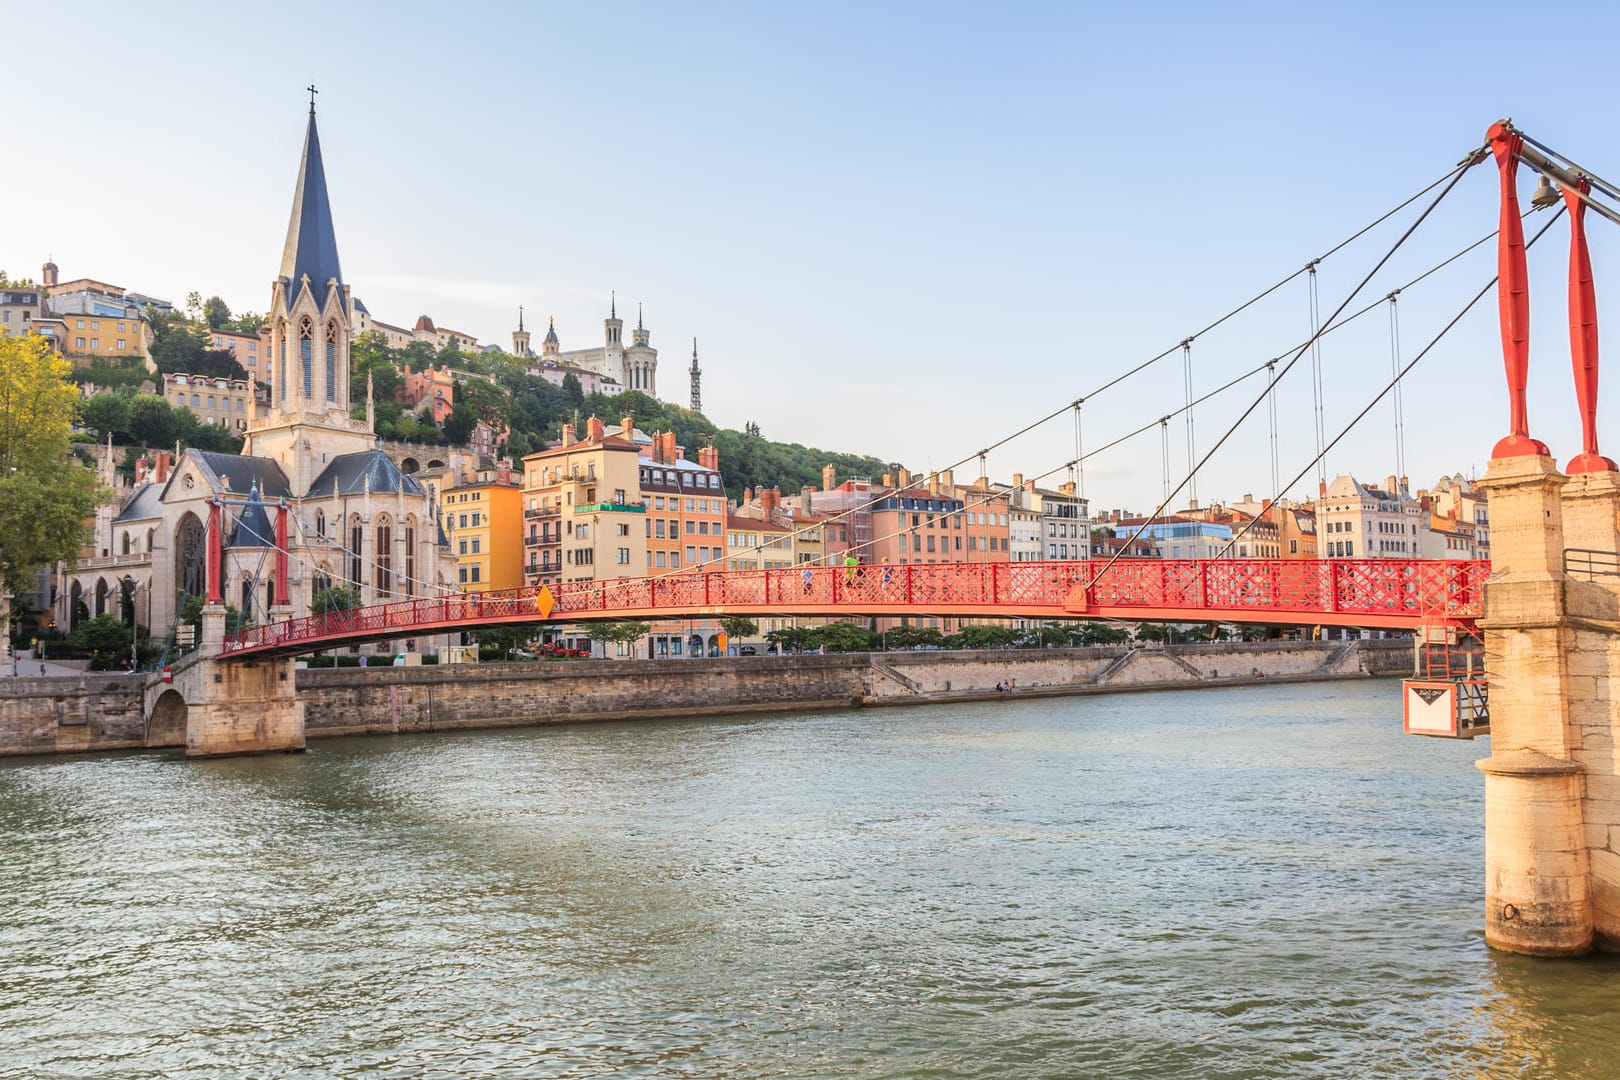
(1386, 594)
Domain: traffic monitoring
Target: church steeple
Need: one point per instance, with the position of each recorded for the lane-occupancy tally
(308, 366)
(520, 337)
(311, 246)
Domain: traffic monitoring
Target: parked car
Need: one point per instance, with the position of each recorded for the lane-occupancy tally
(557, 649)
(747, 650)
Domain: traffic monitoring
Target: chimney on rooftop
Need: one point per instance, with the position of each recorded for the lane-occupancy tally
(164, 463)
(1067, 488)
(933, 483)
(903, 477)
(568, 434)
(709, 457)
(948, 481)
(594, 429)
(829, 477)
(627, 425)
(1018, 480)
(769, 500)
(1389, 485)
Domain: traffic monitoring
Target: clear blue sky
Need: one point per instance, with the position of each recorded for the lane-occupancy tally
(901, 229)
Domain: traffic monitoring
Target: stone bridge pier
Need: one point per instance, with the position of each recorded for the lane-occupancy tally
(240, 707)
(1552, 650)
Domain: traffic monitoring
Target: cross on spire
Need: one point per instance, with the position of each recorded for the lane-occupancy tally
(312, 93)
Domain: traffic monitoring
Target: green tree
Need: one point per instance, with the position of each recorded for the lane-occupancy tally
(105, 414)
(572, 390)
(840, 637)
(738, 627)
(334, 598)
(617, 633)
(789, 638)
(987, 637)
(178, 344)
(458, 426)
(235, 620)
(152, 421)
(216, 312)
(246, 323)
(45, 494)
(107, 638)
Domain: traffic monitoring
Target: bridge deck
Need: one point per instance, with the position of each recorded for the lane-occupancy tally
(1397, 594)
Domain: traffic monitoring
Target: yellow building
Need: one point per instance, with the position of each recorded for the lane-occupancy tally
(88, 339)
(583, 514)
(228, 403)
(486, 518)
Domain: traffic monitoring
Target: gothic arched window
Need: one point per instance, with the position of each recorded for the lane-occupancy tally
(320, 524)
(281, 361)
(190, 543)
(410, 555)
(357, 540)
(306, 355)
(385, 556)
(331, 361)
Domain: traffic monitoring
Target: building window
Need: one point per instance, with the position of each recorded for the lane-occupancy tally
(306, 356)
(462, 574)
(331, 361)
(475, 572)
(78, 343)
(475, 550)
(624, 556)
(121, 345)
(385, 557)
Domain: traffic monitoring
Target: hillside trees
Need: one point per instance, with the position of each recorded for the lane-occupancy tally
(45, 495)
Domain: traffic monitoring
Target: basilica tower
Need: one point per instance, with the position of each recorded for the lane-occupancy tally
(520, 338)
(311, 319)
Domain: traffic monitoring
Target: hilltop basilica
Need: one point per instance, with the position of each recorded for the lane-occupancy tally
(354, 518)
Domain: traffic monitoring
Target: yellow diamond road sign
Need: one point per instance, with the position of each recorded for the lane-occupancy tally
(544, 601)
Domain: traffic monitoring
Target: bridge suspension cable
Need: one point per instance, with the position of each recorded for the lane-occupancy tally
(1451, 176)
(1456, 175)
(1317, 390)
(1393, 383)
(1394, 369)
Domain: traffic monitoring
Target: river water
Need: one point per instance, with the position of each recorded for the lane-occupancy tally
(1265, 881)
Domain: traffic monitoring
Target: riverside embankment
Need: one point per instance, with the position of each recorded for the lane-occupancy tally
(97, 712)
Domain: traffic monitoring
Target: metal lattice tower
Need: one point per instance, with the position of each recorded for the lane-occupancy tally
(697, 380)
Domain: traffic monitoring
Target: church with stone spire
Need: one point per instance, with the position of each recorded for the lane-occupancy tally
(355, 519)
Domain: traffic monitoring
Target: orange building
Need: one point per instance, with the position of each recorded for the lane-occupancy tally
(686, 507)
(486, 520)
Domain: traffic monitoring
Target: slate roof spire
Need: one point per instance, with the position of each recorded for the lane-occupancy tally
(311, 246)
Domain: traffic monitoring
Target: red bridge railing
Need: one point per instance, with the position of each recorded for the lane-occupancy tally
(1386, 593)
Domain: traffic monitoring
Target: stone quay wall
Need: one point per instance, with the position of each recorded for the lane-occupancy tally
(90, 712)
(98, 712)
(353, 701)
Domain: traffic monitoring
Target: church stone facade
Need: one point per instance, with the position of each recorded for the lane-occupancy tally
(354, 518)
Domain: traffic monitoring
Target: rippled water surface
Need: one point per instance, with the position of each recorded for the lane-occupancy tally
(1249, 882)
